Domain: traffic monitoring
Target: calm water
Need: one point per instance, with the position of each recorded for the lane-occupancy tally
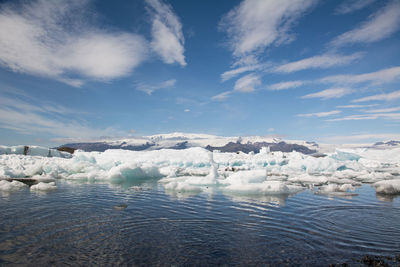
(78, 224)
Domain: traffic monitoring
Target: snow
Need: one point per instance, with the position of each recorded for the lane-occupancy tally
(199, 170)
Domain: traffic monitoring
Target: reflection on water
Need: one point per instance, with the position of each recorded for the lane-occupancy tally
(80, 224)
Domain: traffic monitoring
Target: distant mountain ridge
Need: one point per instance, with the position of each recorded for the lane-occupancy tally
(244, 144)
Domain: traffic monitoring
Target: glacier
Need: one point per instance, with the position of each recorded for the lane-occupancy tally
(195, 170)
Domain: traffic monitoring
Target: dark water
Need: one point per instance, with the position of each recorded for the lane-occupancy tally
(99, 224)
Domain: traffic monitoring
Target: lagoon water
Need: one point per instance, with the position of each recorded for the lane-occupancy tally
(105, 224)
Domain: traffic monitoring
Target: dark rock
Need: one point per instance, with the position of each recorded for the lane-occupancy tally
(101, 147)
(26, 181)
(255, 147)
(66, 149)
(120, 207)
(26, 149)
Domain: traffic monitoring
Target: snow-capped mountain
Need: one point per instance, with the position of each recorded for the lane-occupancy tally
(211, 142)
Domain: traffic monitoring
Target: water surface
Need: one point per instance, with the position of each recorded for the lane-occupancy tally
(103, 224)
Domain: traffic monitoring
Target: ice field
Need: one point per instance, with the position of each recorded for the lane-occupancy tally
(195, 170)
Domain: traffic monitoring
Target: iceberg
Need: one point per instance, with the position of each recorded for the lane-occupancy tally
(197, 169)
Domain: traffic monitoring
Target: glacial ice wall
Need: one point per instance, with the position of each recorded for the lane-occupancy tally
(197, 169)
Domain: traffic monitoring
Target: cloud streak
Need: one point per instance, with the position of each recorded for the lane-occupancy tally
(350, 6)
(330, 93)
(284, 85)
(378, 77)
(320, 62)
(380, 97)
(25, 118)
(320, 114)
(379, 26)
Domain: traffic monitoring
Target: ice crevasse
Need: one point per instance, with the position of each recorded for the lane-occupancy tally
(197, 169)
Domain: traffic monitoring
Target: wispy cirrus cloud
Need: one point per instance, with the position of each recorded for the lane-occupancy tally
(56, 39)
(149, 89)
(320, 114)
(227, 75)
(362, 138)
(378, 77)
(26, 118)
(357, 106)
(350, 6)
(380, 25)
(379, 97)
(372, 116)
(247, 83)
(285, 85)
(330, 93)
(253, 25)
(221, 96)
(382, 110)
(317, 62)
(167, 37)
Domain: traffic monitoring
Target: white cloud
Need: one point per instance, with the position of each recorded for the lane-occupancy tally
(349, 6)
(285, 85)
(322, 62)
(186, 110)
(221, 96)
(382, 110)
(357, 106)
(374, 116)
(363, 137)
(255, 24)
(27, 118)
(320, 114)
(167, 37)
(57, 39)
(377, 77)
(149, 89)
(227, 75)
(386, 97)
(42, 108)
(330, 93)
(380, 25)
(247, 83)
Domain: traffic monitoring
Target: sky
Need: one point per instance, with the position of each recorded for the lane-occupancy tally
(325, 71)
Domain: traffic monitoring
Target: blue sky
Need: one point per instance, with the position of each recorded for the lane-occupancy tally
(326, 71)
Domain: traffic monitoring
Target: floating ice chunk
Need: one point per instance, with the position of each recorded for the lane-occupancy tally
(181, 184)
(264, 188)
(388, 186)
(309, 179)
(11, 186)
(44, 186)
(343, 156)
(337, 188)
(257, 182)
